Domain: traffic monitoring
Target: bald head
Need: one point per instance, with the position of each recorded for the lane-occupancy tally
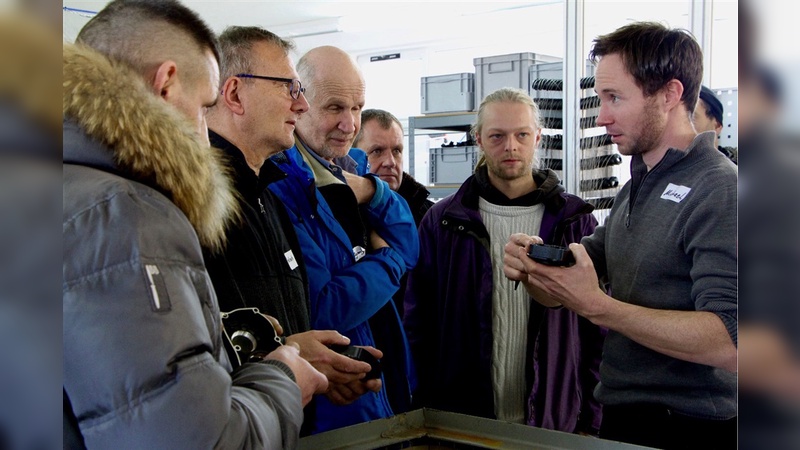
(335, 90)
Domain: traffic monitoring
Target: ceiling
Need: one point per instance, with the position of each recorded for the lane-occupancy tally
(356, 27)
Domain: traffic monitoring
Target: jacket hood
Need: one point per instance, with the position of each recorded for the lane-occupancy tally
(150, 141)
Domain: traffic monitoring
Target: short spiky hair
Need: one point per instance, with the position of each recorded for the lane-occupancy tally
(236, 44)
(384, 119)
(137, 31)
(654, 54)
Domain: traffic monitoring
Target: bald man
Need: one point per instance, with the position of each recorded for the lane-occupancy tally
(357, 237)
(144, 364)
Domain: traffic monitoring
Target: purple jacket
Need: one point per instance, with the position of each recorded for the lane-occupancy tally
(448, 321)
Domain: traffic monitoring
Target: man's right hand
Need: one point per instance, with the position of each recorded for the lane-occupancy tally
(376, 241)
(362, 187)
(310, 380)
(346, 393)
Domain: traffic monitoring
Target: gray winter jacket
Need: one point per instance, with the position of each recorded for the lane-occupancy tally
(144, 364)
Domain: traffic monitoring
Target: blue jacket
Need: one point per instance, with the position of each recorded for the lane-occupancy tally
(345, 294)
(448, 317)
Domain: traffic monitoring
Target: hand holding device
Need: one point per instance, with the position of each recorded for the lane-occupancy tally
(360, 354)
(551, 255)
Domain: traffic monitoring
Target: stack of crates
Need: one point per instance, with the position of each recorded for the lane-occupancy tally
(494, 72)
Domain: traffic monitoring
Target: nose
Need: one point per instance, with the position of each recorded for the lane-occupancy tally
(300, 104)
(388, 161)
(603, 116)
(512, 143)
(349, 121)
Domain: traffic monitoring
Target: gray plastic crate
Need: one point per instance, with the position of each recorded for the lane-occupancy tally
(452, 165)
(447, 93)
(494, 72)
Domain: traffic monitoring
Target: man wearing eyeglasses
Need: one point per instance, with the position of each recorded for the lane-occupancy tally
(144, 365)
(262, 266)
(357, 235)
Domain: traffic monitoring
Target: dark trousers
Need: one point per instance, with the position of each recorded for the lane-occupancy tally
(658, 426)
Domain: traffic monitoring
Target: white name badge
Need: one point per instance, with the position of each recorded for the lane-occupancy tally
(675, 192)
(290, 259)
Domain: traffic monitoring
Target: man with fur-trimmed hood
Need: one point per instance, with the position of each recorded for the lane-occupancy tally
(144, 364)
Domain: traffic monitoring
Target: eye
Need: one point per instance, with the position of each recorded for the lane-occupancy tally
(376, 152)
(397, 152)
(524, 134)
(334, 108)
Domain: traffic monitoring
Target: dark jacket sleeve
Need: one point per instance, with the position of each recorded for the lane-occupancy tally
(420, 314)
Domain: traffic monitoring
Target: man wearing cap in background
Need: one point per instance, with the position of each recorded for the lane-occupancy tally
(708, 117)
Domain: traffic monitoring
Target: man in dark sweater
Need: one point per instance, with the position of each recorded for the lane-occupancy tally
(381, 137)
(262, 266)
(667, 251)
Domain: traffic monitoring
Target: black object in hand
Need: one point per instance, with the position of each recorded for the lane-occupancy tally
(360, 354)
(551, 255)
(249, 336)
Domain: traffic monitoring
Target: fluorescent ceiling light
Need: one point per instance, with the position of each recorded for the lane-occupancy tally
(310, 28)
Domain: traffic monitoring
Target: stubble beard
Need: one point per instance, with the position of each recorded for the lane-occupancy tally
(506, 175)
(651, 130)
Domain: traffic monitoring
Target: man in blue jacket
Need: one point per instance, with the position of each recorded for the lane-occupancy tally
(480, 346)
(357, 237)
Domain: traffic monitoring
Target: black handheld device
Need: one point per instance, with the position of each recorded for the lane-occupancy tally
(360, 354)
(551, 255)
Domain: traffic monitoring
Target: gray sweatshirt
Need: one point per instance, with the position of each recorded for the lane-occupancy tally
(670, 243)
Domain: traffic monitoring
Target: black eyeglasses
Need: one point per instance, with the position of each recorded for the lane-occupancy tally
(295, 87)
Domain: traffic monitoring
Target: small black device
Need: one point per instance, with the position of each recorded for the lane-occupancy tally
(551, 255)
(360, 354)
(249, 336)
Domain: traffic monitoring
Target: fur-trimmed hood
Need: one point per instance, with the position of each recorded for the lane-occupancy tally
(150, 140)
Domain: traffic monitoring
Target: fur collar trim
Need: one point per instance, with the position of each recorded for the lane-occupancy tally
(150, 140)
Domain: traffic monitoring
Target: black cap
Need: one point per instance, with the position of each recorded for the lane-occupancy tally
(713, 105)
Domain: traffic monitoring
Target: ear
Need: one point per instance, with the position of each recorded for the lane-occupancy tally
(478, 139)
(537, 138)
(230, 95)
(165, 80)
(673, 91)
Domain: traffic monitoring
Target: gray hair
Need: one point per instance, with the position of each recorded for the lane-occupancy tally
(236, 45)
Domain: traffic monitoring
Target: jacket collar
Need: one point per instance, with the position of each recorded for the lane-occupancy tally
(411, 189)
(142, 138)
(548, 190)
